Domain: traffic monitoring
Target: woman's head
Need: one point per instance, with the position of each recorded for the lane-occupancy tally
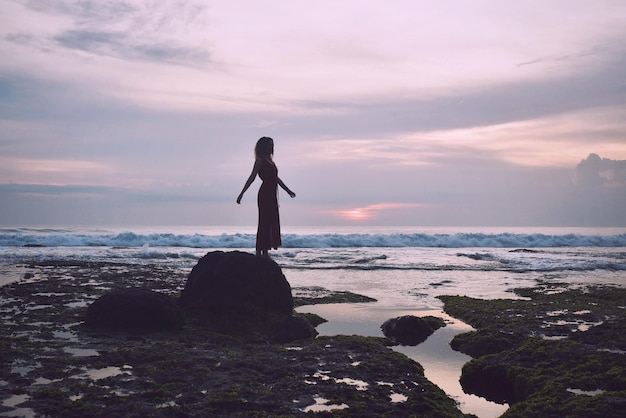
(264, 147)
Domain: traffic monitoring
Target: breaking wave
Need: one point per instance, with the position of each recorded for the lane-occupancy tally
(60, 238)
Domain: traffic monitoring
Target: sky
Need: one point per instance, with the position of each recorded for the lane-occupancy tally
(395, 113)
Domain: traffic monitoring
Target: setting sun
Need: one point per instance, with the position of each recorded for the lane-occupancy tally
(356, 214)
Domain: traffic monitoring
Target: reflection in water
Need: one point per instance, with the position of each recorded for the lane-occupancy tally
(322, 405)
(442, 365)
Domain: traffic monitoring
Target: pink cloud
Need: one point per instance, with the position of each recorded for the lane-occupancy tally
(372, 211)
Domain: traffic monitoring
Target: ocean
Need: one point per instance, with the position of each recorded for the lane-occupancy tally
(404, 268)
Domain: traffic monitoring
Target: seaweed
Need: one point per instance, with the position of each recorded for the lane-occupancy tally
(558, 352)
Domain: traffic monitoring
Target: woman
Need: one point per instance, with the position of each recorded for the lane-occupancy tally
(268, 231)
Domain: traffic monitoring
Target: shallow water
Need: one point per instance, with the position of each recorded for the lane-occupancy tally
(408, 296)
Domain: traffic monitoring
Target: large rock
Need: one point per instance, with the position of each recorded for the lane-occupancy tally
(411, 330)
(237, 284)
(293, 328)
(135, 309)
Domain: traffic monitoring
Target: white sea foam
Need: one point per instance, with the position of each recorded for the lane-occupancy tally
(11, 237)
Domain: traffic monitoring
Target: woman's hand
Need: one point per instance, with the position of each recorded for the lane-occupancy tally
(291, 194)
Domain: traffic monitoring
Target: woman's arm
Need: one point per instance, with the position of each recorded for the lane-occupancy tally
(285, 188)
(255, 171)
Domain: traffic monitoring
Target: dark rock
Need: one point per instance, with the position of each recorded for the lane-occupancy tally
(483, 342)
(312, 318)
(523, 250)
(492, 381)
(313, 295)
(411, 330)
(135, 309)
(294, 328)
(237, 284)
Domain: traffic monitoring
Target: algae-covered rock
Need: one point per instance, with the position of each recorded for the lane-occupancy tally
(135, 309)
(236, 283)
(482, 342)
(293, 328)
(312, 295)
(560, 352)
(411, 330)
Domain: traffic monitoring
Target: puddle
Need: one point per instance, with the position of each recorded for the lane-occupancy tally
(557, 313)
(358, 384)
(81, 352)
(37, 307)
(398, 397)
(170, 404)
(79, 304)
(44, 381)
(321, 405)
(21, 368)
(20, 413)
(442, 365)
(41, 324)
(553, 337)
(65, 335)
(99, 374)
(49, 294)
(576, 325)
(13, 402)
(614, 351)
(323, 376)
(581, 392)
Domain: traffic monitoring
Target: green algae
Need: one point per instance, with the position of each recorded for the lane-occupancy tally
(314, 295)
(558, 352)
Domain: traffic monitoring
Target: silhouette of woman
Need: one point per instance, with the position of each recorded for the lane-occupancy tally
(268, 231)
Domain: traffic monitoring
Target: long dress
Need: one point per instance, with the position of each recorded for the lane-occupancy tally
(268, 231)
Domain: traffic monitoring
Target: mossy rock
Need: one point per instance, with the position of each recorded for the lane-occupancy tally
(237, 293)
(483, 342)
(410, 329)
(558, 353)
(136, 310)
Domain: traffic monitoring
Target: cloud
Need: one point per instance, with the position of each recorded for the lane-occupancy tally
(119, 29)
(602, 85)
(58, 171)
(121, 45)
(600, 173)
(41, 190)
(86, 10)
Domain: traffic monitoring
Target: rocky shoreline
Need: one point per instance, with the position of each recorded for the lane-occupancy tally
(559, 351)
(52, 365)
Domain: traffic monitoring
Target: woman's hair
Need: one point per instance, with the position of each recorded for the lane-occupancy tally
(264, 147)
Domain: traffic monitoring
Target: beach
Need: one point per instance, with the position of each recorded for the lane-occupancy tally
(404, 271)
